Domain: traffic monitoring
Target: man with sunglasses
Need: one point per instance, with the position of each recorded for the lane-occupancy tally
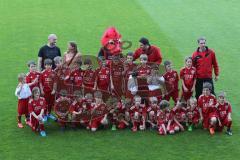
(204, 60)
(153, 53)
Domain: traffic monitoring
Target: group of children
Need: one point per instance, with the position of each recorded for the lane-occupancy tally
(120, 94)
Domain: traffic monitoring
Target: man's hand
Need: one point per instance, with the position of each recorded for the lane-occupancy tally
(216, 78)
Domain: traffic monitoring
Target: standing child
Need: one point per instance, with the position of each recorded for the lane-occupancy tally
(188, 76)
(129, 67)
(225, 113)
(208, 110)
(171, 78)
(116, 73)
(193, 114)
(33, 76)
(46, 85)
(89, 76)
(36, 107)
(61, 73)
(23, 93)
(103, 80)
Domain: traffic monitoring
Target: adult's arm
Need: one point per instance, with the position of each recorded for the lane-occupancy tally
(137, 54)
(158, 56)
(215, 65)
(40, 59)
(39, 64)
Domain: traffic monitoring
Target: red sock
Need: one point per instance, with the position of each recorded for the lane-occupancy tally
(41, 126)
(19, 119)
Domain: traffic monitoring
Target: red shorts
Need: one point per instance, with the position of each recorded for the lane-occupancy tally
(23, 106)
(50, 99)
(186, 95)
(95, 123)
(173, 95)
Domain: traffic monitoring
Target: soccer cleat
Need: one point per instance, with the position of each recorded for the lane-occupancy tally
(45, 118)
(114, 128)
(190, 128)
(212, 132)
(20, 125)
(52, 117)
(229, 132)
(43, 133)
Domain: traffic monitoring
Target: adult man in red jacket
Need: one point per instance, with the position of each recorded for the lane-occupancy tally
(204, 60)
(153, 52)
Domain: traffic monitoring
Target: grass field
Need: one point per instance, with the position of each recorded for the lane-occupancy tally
(173, 25)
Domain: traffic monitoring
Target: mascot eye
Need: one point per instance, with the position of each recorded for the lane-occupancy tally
(111, 42)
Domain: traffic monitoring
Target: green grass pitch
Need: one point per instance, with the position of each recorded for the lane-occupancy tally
(172, 25)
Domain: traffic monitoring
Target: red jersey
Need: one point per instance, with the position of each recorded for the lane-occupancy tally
(178, 113)
(144, 70)
(36, 105)
(224, 110)
(99, 110)
(128, 70)
(153, 53)
(193, 112)
(142, 110)
(164, 116)
(61, 73)
(207, 104)
(31, 76)
(153, 108)
(172, 78)
(116, 72)
(76, 77)
(103, 76)
(47, 79)
(76, 106)
(204, 62)
(188, 75)
(89, 76)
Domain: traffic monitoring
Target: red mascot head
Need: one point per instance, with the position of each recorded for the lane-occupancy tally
(111, 41)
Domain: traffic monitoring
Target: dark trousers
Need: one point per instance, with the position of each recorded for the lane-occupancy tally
(199, 86)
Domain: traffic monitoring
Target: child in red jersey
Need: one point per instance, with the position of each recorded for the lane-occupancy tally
(103, 80)
(179, 115)
(36, 107)
(152, 112)
(138, 114)
(225, 113)
(171, 78)
(47, 88)
(123, 116)
(208, 110)
(76, 75)
(143, 71)
(165, 119)
(33, 76)
(129, 67)
(23, 93)
(89, 76)
(99, 112)
(188, 76)
(193, 114)
(116, 73)
(62, 72)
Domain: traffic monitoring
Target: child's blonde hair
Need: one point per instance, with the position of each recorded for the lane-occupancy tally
(21, 77)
